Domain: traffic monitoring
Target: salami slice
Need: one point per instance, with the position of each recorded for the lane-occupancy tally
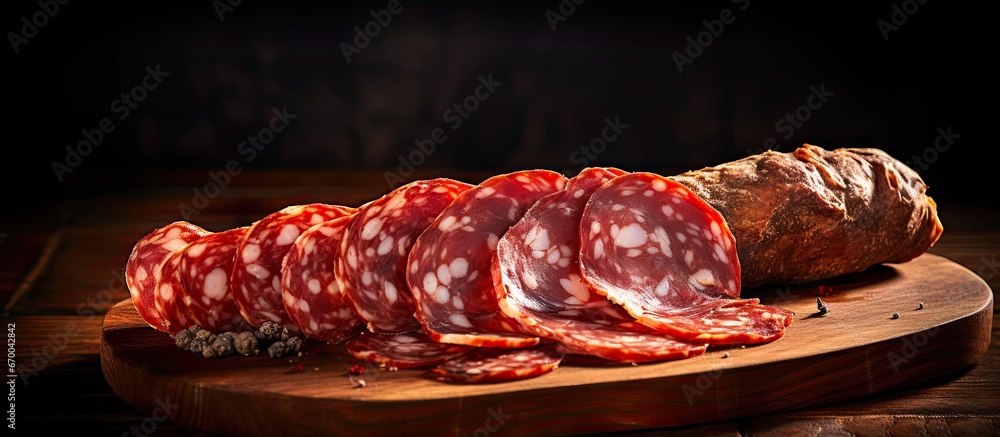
(256, 279)
(169, 296)
(537, 277)
(371, 268)
(449, 265)
(143, 269)
(501, 365)
(666, 256)
(403, 351)
(309, 289)
(205, 268)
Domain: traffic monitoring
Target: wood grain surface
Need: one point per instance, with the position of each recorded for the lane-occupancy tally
(855, 350)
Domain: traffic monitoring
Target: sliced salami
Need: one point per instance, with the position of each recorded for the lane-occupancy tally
(501, 365)
(169, 297)
(403, 351)
(143, 269)
(666, 256)
(449, 265)
(309, 289)
(536, 273)
(256, 278)
(205, 268)
(371, 268)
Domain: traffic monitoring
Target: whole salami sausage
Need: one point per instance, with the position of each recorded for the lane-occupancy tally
(813, 213)
(310, 291)
(205, 268)
(449, 265)
(667, 257)
(256, 278)
(144, 267)
(371, 266)
(536, 273)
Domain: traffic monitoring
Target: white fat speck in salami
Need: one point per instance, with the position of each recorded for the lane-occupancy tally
(144, 266)
(257, 271)
(479, 321)
(555, 301)
(673, 295)
(377, 243)
(305, 273)
(498, 364)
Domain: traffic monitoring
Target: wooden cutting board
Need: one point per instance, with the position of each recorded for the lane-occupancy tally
(855, 350)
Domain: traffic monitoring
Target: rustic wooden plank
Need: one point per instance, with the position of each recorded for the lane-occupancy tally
(853, 351)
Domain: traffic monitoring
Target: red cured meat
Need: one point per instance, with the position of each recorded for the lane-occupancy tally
(144, 267)
(667, 257)
(256, 279)
(537, 277)
(205, 268)
(501, 365)
(170, 295)
(371, 267)
(309, 289)
(403, 351)
(449, 265)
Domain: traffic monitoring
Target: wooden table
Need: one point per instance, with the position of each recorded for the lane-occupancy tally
(62, 264)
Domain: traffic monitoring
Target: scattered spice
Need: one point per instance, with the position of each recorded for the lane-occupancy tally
(894, 316)
(221, 345)
(360, 383)
(211, 345)
(825, 290)
(245, 344)
(743, 346)
(270, 331)
(725, 355)
(920, 306)
(821, 307)
(290, 346)
(357, 369)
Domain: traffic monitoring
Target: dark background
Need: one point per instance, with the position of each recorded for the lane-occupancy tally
(606, 59)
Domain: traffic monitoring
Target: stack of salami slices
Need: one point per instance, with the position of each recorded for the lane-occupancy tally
(485, 283)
